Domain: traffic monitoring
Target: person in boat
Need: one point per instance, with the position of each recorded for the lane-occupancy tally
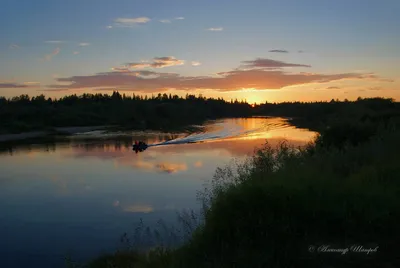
(139, 146)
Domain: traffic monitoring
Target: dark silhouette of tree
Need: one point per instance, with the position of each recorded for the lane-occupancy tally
(164, 111)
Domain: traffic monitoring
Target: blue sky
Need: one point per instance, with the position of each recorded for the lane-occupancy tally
(352, 47)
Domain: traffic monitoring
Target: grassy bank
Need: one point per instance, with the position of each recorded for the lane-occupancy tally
(286, 207)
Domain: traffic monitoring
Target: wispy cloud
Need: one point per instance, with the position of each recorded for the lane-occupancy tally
(170, 20)
(279, 51)
(375, 88)
(109, 27)
(55, 52)
(300, 51)
(54, 42)
(138, 208)
(120, 69)
(32, 83)
(20, 85)
(268, 63)
(157, 62)
(217, 29)
(130, 22)
(238, 79)
(12, 85)
(84, 44)
(75, 52)
(13, 46)
(333, 88)
(165, 21)
(196, 63)
(55, 90)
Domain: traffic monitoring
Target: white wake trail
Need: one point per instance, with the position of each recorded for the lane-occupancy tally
(227, 131)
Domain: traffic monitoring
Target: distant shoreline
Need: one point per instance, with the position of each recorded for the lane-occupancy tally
(64, 131)
(43, 133)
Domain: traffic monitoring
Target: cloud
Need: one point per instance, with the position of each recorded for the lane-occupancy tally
(268, 63)
(55, 90)
(12, 85)
(165, 21)
(20, 85)
(84, 44)
(257, 79)
(386, 80)
(218, 29)
(75, 52)
(196, 63)
(279, 51)
(170, 21)
(333, 88)
(13, 46)
(130, 22)
(32, 83)
(55, 52)
(300, 51)
(109, 27)
(138, 208)
(157, 62)
(54, 42)
(120, 69)
(375, 88)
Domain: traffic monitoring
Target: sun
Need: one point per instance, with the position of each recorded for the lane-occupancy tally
(252, 97)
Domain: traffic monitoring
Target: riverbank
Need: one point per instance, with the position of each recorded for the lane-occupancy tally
(65, 131)
(50, 132)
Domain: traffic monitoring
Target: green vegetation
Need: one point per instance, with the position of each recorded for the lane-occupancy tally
(281, 206)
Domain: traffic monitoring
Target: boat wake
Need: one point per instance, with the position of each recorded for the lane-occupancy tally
(222, 131)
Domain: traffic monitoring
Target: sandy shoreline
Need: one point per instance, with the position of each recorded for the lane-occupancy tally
(39, 134)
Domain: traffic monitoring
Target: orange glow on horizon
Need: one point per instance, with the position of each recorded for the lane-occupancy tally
(302, 93)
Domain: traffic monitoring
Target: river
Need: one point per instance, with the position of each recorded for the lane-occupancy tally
(76, 195)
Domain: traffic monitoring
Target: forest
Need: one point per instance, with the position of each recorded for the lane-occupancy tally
(171, 112)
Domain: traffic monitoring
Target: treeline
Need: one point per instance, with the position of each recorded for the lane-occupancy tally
(165, 111)
(158, 112)
(318, 115)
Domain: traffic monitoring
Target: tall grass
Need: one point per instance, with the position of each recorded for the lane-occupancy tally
(269, 210)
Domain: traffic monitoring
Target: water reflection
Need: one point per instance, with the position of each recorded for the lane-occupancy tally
(82, 192)
(87, 142)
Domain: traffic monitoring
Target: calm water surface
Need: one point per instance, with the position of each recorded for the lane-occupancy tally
(78, 195)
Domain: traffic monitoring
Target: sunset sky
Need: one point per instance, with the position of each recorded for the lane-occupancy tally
(261, 51)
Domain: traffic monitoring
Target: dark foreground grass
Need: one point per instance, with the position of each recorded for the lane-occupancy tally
(290, 207)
